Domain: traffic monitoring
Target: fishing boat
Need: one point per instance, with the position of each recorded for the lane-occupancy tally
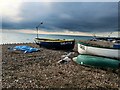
(61, 44)
(108, 49)
(107, 38)
(95, 61)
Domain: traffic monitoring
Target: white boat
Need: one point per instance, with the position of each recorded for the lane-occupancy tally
(84, 48)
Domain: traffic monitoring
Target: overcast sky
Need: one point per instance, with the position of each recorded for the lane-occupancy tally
(60, 16)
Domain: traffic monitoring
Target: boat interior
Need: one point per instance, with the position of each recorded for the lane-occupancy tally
(99, 43)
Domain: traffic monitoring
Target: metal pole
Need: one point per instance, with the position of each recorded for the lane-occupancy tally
(37, 31)
(109, 34)
(37, 28)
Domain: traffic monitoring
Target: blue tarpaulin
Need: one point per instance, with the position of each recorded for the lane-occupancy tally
(26, 49)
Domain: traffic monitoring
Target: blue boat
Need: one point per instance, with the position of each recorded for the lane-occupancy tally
(60, 44)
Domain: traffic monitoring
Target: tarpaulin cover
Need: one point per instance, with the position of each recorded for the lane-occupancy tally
(26, 49)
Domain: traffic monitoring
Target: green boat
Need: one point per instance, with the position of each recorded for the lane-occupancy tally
(89, 60)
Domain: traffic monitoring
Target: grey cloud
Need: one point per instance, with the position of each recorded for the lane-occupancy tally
(74, 16)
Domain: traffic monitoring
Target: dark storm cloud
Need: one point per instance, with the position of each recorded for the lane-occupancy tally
(8, 24)
(74, 16)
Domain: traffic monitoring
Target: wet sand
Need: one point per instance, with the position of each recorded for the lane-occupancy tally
(41, 70)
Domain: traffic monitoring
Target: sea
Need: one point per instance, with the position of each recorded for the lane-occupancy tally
(15, 37)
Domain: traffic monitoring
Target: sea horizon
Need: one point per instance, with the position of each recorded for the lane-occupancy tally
(19, 37)
(9, 38)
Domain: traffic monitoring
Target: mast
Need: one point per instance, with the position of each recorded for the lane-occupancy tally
(94, 36)
(109, 34)
(37, 27)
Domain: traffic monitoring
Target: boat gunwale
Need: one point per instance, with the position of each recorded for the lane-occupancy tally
(98, 46)
(55, 40)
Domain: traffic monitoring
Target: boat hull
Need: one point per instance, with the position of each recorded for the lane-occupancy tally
(106, 52)
(89, 60)
(56, 44)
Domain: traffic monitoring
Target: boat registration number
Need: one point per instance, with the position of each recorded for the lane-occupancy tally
(82, 47)
(63, 43)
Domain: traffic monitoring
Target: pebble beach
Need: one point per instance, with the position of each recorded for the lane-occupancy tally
(41, 70)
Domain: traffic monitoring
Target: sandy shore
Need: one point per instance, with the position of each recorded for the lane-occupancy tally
(41, 70)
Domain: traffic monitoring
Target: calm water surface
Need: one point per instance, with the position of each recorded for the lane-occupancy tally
(13, 37)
